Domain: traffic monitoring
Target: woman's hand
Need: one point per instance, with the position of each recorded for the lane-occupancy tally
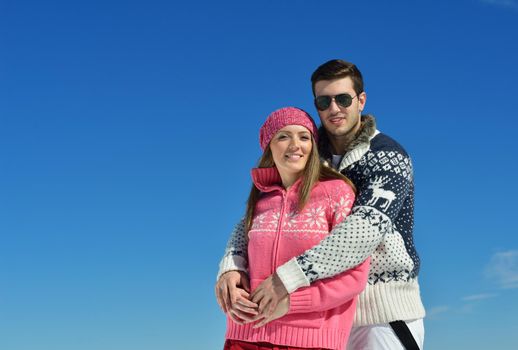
(232, 293)
(268, 296)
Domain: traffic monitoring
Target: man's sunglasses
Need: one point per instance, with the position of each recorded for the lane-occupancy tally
(323, 102)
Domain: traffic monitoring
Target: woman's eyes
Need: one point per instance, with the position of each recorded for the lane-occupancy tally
(302, 137)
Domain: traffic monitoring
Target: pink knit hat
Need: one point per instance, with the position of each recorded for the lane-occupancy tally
(282, 117)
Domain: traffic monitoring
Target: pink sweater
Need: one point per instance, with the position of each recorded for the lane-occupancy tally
(321, 315)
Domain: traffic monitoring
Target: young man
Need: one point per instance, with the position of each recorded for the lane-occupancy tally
(389, 312)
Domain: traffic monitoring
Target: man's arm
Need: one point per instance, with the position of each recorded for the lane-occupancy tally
(329, 293)
(236, 252)
(322, 295)
(379, 201)
(233, 285)
(382, 192)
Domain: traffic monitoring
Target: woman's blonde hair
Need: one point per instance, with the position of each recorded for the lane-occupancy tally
(313, 172)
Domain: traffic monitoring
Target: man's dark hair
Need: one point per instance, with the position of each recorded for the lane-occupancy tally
(336, 69)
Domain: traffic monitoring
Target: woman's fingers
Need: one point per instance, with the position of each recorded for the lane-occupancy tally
(245, 299)
(234, 317)
(243, 308)
(244, 316)
(227, 288)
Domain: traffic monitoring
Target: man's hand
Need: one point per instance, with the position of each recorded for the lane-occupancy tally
(232, 292)
(268, 295)
(282, 309)
(242, 311)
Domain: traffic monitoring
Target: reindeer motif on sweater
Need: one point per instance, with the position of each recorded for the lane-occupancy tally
(379, 193)
(380, 225)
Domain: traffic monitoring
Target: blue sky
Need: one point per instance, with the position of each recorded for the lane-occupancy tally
(128, 129)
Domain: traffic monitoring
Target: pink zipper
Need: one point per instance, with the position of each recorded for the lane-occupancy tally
(279, 228)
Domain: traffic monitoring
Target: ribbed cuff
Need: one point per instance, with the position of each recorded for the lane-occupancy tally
(292, 276)
(387, 302)
(232, 263)
(300, 301)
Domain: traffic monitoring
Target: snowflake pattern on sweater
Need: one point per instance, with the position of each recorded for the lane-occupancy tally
(380, 225)
(313, 220)
(382, 218)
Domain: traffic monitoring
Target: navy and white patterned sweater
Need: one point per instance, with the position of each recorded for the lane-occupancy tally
(380, 225)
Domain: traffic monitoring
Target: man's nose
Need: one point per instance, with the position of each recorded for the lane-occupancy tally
(333, 106)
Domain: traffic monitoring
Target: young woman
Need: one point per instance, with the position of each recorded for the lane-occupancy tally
(293, 204)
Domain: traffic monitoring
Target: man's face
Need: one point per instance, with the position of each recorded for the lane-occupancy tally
(340, 121)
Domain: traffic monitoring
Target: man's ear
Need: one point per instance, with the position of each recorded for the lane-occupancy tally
(362, 99)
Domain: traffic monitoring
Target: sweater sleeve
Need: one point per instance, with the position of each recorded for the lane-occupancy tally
(382, 191)
(236, 252)
(329, 293)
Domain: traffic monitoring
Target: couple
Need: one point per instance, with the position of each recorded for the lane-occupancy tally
(317, 253)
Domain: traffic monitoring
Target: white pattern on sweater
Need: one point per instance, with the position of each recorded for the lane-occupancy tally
(380, 226)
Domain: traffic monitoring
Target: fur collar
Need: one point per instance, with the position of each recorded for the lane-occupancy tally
(367, 130)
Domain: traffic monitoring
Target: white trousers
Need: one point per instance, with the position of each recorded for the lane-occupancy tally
(382, 337)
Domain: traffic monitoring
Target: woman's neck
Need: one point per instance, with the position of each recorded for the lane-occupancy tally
(288, 179)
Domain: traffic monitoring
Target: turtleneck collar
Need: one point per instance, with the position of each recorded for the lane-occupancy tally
(269, 179)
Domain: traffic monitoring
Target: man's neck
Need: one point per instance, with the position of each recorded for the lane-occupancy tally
(341, 143)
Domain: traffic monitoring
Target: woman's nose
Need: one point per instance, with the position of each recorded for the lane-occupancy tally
(294, 144)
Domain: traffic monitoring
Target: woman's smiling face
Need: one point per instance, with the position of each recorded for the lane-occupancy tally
(291, 147)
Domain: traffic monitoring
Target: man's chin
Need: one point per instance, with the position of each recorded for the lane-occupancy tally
(339, 132)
